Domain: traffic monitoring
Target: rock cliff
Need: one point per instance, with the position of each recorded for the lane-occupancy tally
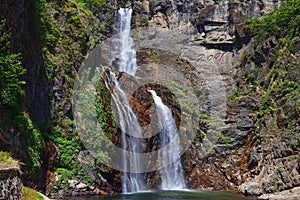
(247, 139)
(252, 154)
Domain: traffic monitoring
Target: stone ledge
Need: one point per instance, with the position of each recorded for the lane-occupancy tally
(10, 183)
(9, 169)
(6, 173)
(292, 194)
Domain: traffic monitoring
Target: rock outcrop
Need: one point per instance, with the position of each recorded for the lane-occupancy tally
(211, 36)
(292, 194)
(10, 184)
(207, 22)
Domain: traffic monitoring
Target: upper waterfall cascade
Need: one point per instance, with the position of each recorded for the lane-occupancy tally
(126, 50)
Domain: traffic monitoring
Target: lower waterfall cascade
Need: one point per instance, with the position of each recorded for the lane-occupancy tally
(172, 174)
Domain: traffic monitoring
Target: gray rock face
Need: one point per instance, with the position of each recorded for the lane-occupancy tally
(10, 184)
(81, 186)
(207, 21)
(250, 188)
(273, 167)
(292, 194)
(211, 36)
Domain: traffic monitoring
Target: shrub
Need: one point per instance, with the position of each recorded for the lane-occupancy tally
(281, 23)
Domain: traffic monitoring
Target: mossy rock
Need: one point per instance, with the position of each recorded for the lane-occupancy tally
(6, 161)
(30, 194)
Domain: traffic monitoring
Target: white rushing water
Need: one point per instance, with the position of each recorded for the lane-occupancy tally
(172, 175)
(131, 132)
(130, 129)
(127, 52)
(130, 138)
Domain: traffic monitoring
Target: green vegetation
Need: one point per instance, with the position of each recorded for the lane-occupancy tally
(155, 55)
(225, 140)
(278, 170)
(144, 22)
(12, 101)
(122, 3)
(11, 70)
(30, 194)
(283, 23)
(274, 181)
(234, 95)
(278, 84)
(96, 3)
(104, 111)
(31, 140)
(68, 30)
(7, 161)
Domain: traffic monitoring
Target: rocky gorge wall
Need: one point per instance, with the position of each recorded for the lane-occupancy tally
(207, 22)
(204, 41)
(250, 155)
(10, 184)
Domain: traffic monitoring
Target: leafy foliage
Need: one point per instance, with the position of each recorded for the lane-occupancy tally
(96, 3)
(11, 70)
(31, 140)
(279, 86)
(282, 23)
(12, 102)
(68, 30)
(104, 111)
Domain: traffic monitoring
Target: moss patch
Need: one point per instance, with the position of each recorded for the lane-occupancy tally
(7, 161)
(30, 194)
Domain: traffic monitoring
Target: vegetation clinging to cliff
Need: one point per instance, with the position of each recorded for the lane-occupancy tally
(269, 85)
(14, 118)
(281, 23)
(11, 70)
(274, 73)
(30, 194)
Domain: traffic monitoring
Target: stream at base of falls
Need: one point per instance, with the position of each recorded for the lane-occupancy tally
(169, 195)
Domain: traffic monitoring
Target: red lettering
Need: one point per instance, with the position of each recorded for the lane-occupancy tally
(222, 56)
(210, 57)
(217, 56)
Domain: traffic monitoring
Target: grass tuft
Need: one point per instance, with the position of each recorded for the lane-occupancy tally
(7, 161)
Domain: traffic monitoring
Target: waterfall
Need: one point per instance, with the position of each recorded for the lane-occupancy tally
(127, 52)
(131, 182)
(131, 139)
(131, 132)
(171, 175)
